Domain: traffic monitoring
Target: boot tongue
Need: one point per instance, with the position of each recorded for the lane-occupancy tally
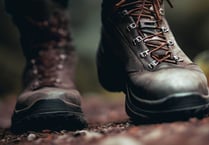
(156, 41)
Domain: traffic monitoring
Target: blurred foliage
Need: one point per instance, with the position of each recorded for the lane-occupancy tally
(189, 21)
(202, 60)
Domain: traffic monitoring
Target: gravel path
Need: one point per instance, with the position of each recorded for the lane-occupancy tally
(108, 125)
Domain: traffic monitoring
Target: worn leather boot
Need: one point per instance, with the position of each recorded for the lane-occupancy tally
(49, 99)
(138, 55)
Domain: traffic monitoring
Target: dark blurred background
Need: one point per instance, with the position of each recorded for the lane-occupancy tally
(189, 20)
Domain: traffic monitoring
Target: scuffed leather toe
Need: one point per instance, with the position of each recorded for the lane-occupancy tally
(165, 82)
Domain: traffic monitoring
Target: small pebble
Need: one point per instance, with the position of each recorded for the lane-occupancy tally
(79, 133)
(153, 135)
(31, 137)
(88, 134)
(193, 120)
(38, 141)
(60, 139)
(120, 140)
(92, 135)
(128, 124)
(63, 131)
(203, 130)
(69, 140)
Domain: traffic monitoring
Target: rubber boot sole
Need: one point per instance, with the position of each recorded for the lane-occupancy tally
(48, 114)
(176, 107)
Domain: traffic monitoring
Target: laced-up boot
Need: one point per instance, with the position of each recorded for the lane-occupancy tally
(138, 55)
(49, 99)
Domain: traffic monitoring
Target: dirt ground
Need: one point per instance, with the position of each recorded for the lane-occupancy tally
(108, 125)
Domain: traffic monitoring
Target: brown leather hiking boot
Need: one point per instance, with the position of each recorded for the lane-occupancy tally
(138, 55)
(50, 99)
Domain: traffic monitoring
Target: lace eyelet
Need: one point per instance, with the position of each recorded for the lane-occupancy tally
(170, 43)
(178, 59)
(153, 64)
(138, 39)
(124, 12)
(164, 29)
(35, 71)
(144, 53)
(63, 56)
(151, 8)
(35, 85)
(58, 80)
(33, 61)
(60, 66)
(162, 12)
(131, 26)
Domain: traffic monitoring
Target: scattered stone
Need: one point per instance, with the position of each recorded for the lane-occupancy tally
(179, 128)
(3, 140)
(92, 135)
(127, 124)
(153, 135)
(38, 141)
(69, 140)
(31, 137)
(79, 133)
(63, 131)
(203, 129)
(193, 120)
(87, 134)
(133, 130)
(120, 140)
(193, 132)
(62, 138)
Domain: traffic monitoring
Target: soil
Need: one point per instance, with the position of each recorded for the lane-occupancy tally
(108, 125)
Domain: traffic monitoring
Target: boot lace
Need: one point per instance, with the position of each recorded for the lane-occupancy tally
(51, 54)
(147, 16)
